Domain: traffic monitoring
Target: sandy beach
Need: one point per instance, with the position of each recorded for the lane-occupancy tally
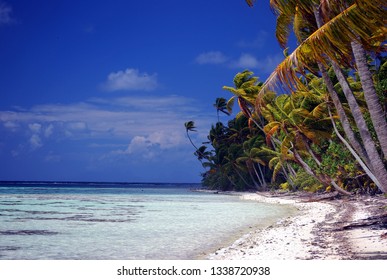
(326, 230)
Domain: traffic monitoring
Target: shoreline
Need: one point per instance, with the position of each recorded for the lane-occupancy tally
(320, 230)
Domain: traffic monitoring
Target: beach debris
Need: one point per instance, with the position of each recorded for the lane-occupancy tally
(377, 222)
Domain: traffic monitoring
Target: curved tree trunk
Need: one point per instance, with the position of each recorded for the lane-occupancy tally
(371, 97)
(250, 167)
(352, 151)
(375, 161)
(324, 181)
(263, 177)
(261, 180)
(343, 117)
(240, 175)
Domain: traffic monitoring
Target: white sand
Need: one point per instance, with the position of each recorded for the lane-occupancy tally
(307, 235)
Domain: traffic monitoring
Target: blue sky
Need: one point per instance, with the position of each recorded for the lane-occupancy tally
(100, 90)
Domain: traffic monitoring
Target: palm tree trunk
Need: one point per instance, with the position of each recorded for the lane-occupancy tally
(372, 99)
(375, 161)
(257, 175)
(377, 165)
(291, 170)
(263, 177)
(353, 152)
(310, 151)
(343, 117)
(309, 170)
(190, 140)
(288, 177)
(241, 176)
(250, 167)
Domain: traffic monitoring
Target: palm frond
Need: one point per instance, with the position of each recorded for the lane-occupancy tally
(190, 126)
(283, 29)
(276, 170)
(250, 2)
(273, 162)
(363, 21)
(230, 104)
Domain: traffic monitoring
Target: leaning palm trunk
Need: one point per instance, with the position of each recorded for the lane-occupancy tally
(264, 184)
(371, 97)
(377, 165)
(289, 179)
(342, 116)
(325, 181)
(355, 155)
(260, 179)
(241, 176)
(318, 162)
(250, 167)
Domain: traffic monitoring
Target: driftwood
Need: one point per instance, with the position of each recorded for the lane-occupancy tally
(379, 221)
(321, 197)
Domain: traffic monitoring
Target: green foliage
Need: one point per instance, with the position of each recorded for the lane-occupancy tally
(306, 182)
(381, 82)
(256, 149)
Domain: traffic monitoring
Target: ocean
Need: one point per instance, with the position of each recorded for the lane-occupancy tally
(120, 221)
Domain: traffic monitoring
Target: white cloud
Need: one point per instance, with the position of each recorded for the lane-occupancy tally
(49, 130)
(154, 124)
(150, 146)
(264, 65)
(269, 64)
(245, 61)
(52, 158)
(77, 126)
(35, 127)
(138, 144)
(5, 13)
(35, 142)
(13, 126)
(130, 79)
(212, 57)
(256, 43)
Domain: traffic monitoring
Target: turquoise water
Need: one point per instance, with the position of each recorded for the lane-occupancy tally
(121, 221)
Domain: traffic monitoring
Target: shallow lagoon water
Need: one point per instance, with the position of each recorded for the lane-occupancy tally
(118, 221)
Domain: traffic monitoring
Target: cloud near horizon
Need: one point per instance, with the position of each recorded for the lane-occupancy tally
(150, 146)
(130, 79)
(147, 125)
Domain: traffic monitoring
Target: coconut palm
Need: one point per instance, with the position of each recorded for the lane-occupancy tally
(330, 44)
(221, 106)
(190, 126)
(245, 91)
(199, 152)
(301, 119)
(252, 161)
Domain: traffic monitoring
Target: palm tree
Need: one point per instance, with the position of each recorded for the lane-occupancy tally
(330, 44)
(221, 106)
(190, 126)
(245, 91)
(360, 58)
(301, 121)
(375, 161)
(252, 161)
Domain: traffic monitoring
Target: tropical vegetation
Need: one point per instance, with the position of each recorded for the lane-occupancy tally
(318, 123)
